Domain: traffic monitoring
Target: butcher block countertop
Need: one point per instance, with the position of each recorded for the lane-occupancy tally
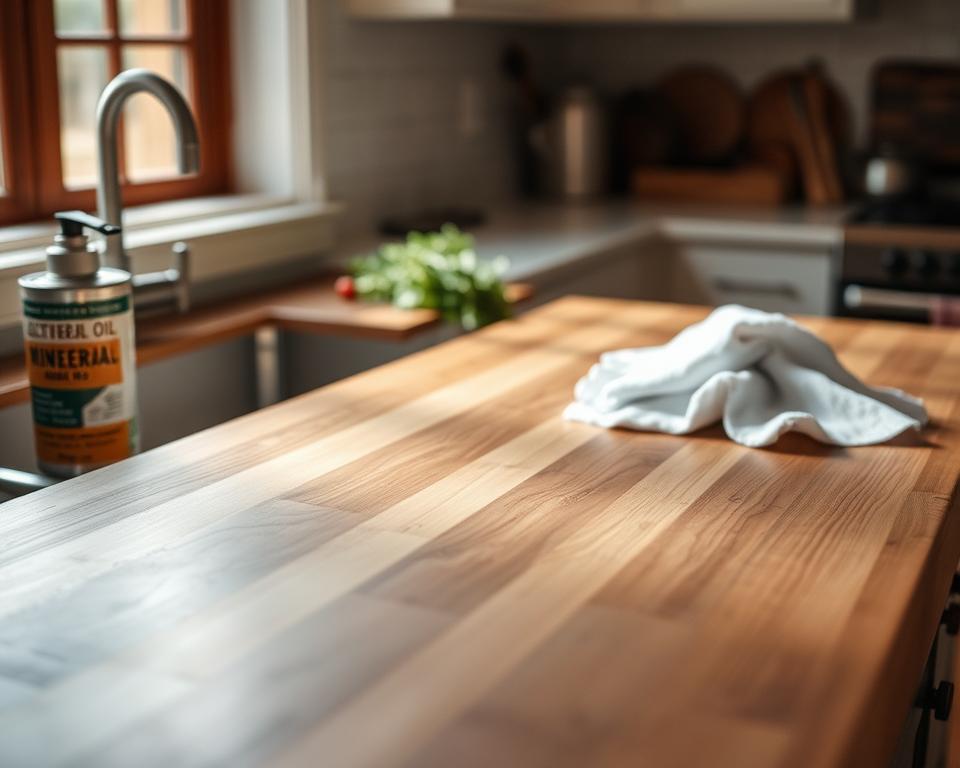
(424, 565)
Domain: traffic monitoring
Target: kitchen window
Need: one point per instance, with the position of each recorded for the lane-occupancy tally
(55, 58)
(260, 202)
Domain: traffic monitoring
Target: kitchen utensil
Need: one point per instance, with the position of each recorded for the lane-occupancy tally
(572, 145)
(516, 66)
(710, 111)
(815, 183)
(815, 93)
(645, 134)
(886, 175)
(768, 115)
(779, 157)
(801, 111)
(529, 111)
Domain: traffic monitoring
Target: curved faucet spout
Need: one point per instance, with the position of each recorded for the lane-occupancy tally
(109, 108)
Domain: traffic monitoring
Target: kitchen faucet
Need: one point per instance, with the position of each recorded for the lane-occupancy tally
(154, 290)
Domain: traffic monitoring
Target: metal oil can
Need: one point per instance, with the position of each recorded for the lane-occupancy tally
(79, 344)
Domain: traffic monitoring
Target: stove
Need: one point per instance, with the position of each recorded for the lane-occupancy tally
(900, 259)
(912, 212)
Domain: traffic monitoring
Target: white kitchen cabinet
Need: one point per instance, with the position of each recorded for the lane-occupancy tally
(525, 10)
(776, 278)
(632, 271)
(600, 10)
(789, 276)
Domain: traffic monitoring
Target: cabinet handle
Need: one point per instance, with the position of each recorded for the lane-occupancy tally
(783, 290)
(951, 619)
(940, 700)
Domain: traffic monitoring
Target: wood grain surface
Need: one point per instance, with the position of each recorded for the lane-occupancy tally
(425, 566)
(309, 307)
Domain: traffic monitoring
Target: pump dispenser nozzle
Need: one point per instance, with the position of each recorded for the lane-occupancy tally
(73, 222)
(71, 254)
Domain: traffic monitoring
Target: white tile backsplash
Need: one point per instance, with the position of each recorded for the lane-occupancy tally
(416, 114)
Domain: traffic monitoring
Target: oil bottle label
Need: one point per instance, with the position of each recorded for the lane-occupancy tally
(80, 359)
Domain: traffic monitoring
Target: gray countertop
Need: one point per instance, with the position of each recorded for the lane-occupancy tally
(538, 238)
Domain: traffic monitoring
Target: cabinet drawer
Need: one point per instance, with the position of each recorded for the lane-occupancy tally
(794, 283)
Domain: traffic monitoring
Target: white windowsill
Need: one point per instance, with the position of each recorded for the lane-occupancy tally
(226, 235)
(18, 241)
(37, 234)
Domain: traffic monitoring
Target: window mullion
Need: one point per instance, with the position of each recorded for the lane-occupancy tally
(113, 18)
(18, 199)
(116, 66)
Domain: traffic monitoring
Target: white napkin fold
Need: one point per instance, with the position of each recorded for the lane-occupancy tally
(758, 372)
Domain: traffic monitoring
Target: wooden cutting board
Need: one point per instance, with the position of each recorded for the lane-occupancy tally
(709, 109)
(755, 184)
(801, 113)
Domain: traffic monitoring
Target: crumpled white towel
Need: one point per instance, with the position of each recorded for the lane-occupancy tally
(758, 372)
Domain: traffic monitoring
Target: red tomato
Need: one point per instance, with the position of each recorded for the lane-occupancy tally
(345, 288)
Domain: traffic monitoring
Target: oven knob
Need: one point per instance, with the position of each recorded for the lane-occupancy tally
(894, 261)
(927, 263)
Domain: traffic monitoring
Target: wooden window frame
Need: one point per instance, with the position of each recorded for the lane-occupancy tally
(17, 202)
(32, 135)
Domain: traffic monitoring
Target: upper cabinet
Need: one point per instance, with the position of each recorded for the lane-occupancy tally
(620, 10)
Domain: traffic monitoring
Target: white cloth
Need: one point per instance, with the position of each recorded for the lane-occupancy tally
(760, 373)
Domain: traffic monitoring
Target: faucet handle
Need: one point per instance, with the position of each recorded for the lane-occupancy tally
(155, 291)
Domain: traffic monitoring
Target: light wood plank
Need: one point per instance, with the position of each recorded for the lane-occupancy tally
(508, 627)
(224, 633)
(137, 535)
(243, 442)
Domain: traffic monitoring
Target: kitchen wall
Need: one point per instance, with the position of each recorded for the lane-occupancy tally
(416, 114)
(616, 58)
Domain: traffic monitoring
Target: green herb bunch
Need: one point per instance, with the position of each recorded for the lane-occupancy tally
(435, 270)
